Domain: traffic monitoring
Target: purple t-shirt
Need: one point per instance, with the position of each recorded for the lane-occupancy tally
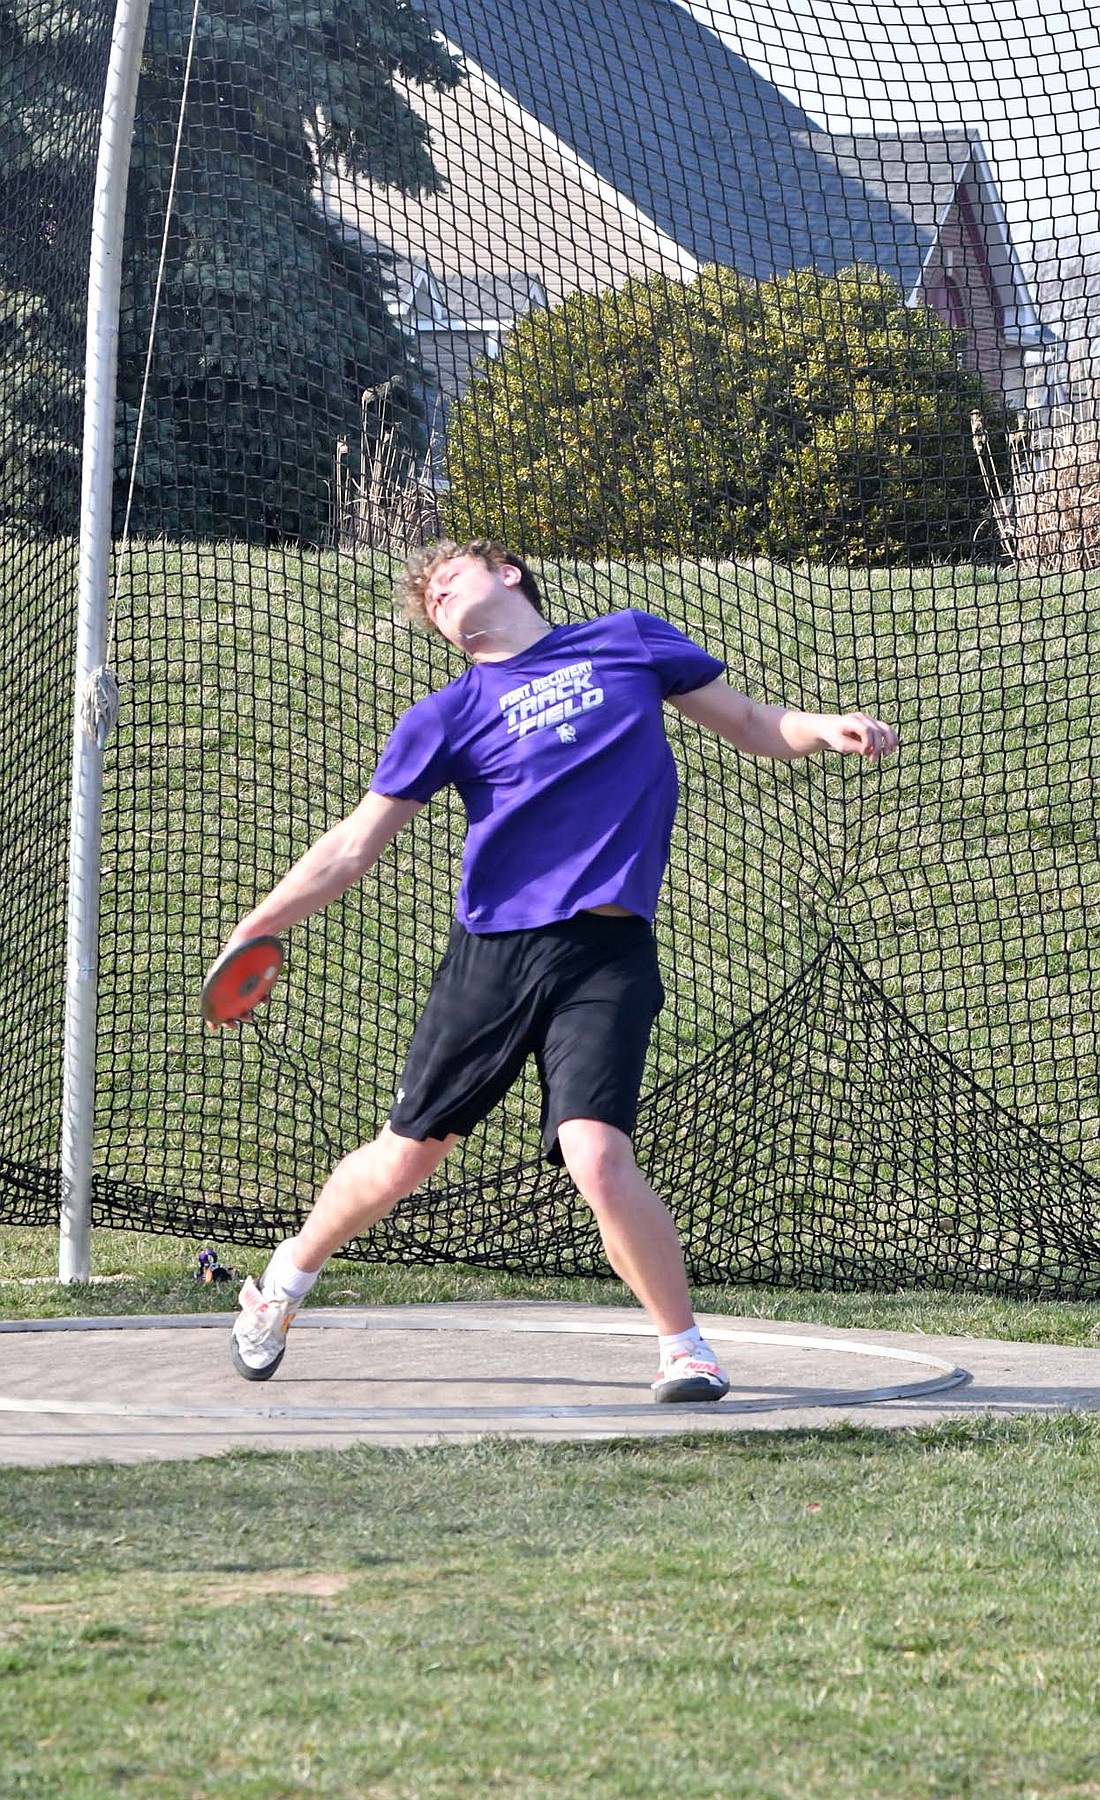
(561, 760)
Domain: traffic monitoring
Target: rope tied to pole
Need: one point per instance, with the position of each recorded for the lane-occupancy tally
(99, 705)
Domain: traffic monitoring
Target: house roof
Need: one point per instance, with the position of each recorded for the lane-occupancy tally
(500, 295)
(510, 191)
(1066, 278)
(916, 175)
(455, 297)
(621, 81)
(918, 171)
(922, 176)
(555, 159)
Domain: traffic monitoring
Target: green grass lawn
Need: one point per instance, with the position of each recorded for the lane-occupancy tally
(839, 1614)
(824, 1615)
(135, 1273)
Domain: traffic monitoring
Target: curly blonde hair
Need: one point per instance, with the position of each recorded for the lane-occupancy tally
(411, 588)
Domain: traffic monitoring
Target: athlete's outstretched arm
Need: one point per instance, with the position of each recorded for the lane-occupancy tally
(779, 731)
(329, 867)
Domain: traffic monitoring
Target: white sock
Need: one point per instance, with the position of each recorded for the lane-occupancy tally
(685, 1343)
(283, 1279)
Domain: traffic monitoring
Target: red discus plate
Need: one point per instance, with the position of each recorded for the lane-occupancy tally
(241, 980)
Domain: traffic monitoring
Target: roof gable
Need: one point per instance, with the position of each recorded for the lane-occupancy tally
(918, 178)
(925, 176)
(497, 296)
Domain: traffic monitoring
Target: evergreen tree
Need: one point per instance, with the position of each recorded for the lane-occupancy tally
(40, 413)
(52, 65)
(271, 326)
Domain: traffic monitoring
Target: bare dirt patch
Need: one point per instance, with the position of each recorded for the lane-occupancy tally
(322, 1584)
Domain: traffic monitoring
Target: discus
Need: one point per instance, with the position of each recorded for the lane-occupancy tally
(241, 980)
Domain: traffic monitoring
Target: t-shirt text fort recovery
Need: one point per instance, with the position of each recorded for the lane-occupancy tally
(551, 699)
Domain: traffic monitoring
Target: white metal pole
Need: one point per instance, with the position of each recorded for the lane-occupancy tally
(91, 719)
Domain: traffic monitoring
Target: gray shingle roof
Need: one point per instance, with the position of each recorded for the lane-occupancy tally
(688, 131)
(917, 175)
(917, 171)
(1067, 281)
(634, 116)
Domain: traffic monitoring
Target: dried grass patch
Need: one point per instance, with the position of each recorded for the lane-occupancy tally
(1056, 508)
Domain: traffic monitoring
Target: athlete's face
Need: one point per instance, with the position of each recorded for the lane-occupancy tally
(464, 596)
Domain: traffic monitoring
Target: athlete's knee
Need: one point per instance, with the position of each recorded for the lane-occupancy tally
(600, 1158)
(390, 1164)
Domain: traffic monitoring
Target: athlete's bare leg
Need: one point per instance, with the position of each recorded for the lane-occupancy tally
(362, 1189)
(635, 1225)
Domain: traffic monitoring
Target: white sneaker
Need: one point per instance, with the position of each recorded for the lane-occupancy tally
(689, 1378)
(258, 1343)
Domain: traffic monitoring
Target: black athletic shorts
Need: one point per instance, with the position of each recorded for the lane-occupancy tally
(580, 996)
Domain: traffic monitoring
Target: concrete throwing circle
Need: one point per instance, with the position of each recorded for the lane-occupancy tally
(146, 1387)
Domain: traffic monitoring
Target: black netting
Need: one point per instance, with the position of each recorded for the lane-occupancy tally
(783, 330)
(52, 67)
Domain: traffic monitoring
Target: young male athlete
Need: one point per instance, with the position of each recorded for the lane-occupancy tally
(555, 740)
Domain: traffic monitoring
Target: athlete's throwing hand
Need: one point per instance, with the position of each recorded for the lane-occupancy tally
(856, 734)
